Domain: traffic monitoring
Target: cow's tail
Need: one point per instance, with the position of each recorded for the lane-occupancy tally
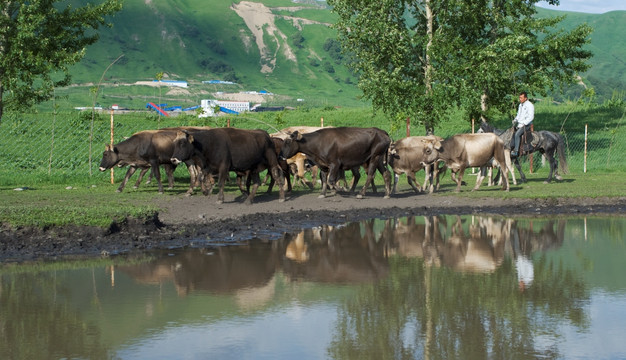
(560, 148)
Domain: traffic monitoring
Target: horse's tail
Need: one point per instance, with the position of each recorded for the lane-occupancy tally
(560, 148)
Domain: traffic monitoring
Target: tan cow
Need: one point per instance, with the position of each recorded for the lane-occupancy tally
(406, 156)
(467, 150)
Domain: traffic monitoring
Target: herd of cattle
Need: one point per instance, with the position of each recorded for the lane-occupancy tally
(212, 153)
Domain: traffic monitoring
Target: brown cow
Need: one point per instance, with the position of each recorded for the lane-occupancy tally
(467, 150)
(143, 150)
(343, 148)
(406, 156)
(299, 160)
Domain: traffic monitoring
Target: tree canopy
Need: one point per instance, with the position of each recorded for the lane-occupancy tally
(419, 58)
(39, 40)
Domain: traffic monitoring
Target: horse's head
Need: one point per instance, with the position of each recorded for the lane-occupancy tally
(485, 127)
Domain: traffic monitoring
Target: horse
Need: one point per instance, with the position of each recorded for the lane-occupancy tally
(546, 142)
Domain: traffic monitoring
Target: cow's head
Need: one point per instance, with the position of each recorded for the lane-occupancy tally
(432, 148)
(183, 147)
(291, 146)
(110, 157)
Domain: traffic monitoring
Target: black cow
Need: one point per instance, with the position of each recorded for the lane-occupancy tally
(219, 151)
(343, 148)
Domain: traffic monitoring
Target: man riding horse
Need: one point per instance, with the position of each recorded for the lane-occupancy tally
(524, 119)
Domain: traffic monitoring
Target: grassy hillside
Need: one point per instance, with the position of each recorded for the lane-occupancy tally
(608, 71)
(194, 41)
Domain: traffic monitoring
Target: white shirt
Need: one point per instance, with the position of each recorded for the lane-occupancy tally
(525, 113)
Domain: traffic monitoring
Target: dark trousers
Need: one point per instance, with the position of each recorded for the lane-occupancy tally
(518, 135)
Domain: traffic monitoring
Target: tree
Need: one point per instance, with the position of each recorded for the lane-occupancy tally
(506, 50)
(39, 40)
(419, 58)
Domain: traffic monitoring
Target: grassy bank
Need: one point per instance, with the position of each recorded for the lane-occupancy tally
(100, 205)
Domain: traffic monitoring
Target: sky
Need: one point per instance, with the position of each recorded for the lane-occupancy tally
(587, 6)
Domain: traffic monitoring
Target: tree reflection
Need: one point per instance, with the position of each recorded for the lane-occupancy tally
(36, 323)
(452, 293)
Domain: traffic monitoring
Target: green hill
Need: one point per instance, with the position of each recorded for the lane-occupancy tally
(278, 45)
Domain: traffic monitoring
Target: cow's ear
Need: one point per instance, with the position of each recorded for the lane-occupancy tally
(438, 145)
(299, 137)
(108, 147)
(190, 138)
(294, 135)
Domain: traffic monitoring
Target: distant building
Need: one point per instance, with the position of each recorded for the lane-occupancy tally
(232, 107)
(176, 83)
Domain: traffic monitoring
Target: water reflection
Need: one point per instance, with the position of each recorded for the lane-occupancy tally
(415, 287)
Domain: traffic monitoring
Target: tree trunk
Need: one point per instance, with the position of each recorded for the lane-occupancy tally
(428, 67)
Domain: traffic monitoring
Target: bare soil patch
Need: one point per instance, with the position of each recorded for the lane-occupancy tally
(197, 221)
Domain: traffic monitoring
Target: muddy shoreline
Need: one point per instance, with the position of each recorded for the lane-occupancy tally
(198, 222)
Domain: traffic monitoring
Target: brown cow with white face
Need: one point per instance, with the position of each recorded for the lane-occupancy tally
(467, 150)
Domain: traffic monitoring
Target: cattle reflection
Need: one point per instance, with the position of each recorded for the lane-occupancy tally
(345, 254)
(356, 252)
(246, 271)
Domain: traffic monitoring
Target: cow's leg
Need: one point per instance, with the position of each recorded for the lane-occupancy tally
(429, 178)
(500, 159)
(156, 172)
(194, 176)
(256, 181)
(396, 177)
(278, 173)
(334, 172)
(356, 175)
(169, 170)
(131, 170)
(371, 171)
(141, 174)
(458, 179)
(412, 180)
(222, 175)
(382, 168)
(481, 176)
(324, 179)
(509, 166)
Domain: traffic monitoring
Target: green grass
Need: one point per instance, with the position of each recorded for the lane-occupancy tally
(54, 205)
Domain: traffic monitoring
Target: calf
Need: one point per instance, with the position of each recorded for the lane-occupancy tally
(219, 151)
(467, 150)
(343, 148)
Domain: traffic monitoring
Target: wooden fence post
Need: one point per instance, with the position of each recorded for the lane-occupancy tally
(585, 157)
(408, 126)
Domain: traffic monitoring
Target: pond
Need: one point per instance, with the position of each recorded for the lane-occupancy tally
(442, 287)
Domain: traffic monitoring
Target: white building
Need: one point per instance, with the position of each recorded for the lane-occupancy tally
(233, 107)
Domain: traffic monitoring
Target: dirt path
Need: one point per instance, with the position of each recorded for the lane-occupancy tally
(198, 221)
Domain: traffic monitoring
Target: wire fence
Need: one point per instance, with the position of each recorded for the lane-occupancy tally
(45, 145)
